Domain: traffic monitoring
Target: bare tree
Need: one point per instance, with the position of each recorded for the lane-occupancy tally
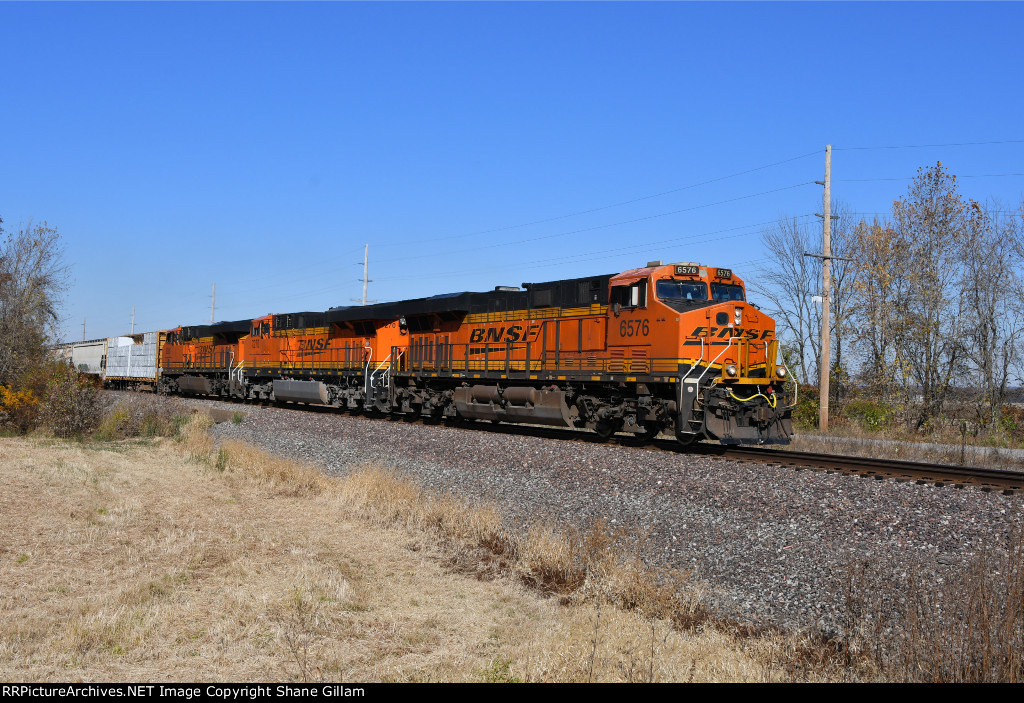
(788, 280)
(995, 294)
(792, 284)
(938, 229)
(32, 279)
(844, 279)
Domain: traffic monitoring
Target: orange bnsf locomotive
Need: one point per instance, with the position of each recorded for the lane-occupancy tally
(672, 348)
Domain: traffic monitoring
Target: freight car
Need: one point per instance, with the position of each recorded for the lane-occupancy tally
(665, 348)
(133, 361)
(88, 356)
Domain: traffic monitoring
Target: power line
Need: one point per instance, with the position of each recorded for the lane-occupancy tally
(883, 214)
(926, 146)
(607, 253)
(613, 205)
(594, 255)
(907, 178)
(520, 242)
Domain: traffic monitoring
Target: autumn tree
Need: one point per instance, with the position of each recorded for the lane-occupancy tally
(32, 279)
(913, 309)
(939, 229)
(877, 297)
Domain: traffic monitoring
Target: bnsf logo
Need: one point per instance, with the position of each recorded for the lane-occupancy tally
(512, 333)
(313, 344)
(722, 332)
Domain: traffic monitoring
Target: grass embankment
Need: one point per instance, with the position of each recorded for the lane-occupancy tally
(178, 560)
(873, 428)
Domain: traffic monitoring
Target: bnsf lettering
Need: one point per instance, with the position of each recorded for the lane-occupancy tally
(723, 332)
(512, 333)
(313, 344)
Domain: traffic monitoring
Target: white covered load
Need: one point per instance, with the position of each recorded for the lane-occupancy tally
(87, 357)
(132, 357)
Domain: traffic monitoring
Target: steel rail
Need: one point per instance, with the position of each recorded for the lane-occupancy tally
(1005, 480)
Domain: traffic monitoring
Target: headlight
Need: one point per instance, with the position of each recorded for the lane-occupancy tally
(737, 316)
(781, 372)
(730, 370)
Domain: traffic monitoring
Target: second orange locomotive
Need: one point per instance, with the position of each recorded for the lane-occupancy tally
(673, 348)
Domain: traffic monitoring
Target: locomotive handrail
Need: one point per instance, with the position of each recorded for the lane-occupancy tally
(708, 367)
(690, 370)
(366, 369)
(796, 393)
(369, 379)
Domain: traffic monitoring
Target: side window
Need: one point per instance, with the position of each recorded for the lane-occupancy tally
(638, 294)
(631, 296)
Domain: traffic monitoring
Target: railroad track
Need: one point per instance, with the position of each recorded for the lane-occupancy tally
(1007, 482)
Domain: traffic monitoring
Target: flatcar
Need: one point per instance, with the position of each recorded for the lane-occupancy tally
(670, 348)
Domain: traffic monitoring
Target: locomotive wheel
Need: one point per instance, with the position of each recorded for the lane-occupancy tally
(651, 430)
(605, 430)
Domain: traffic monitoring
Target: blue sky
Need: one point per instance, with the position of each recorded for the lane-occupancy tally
(259, 146)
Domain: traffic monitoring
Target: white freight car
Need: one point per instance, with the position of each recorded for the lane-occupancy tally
(133, 361)
(87, 356)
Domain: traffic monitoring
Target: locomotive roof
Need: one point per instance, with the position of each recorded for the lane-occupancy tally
(571, 292)
(233, 327)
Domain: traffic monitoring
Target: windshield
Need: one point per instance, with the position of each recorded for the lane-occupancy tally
(724, 292)
(682, 290)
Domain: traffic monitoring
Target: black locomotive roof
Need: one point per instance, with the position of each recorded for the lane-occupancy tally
(569, 293)
(575, 292)
(222, 328)
(454, 302)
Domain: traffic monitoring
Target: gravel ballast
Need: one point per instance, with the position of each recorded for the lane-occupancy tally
(773, 542)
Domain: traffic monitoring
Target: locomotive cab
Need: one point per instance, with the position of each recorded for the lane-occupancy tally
(697, 319)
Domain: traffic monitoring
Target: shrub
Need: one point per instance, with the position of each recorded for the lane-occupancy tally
(71, 405)
(18, 408)
(1012, 422)
(805, 414)
(140, 415)
(871, 415)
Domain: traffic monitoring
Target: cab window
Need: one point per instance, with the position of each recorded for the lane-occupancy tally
(725, 292)
(672, 290)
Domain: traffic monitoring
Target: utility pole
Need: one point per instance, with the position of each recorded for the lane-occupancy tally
(213, 302)
(133, 319)
(366, 275)
(366, 270)
(826, 285)
(83, 329)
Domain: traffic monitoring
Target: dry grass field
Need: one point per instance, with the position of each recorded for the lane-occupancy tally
(174, 559)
